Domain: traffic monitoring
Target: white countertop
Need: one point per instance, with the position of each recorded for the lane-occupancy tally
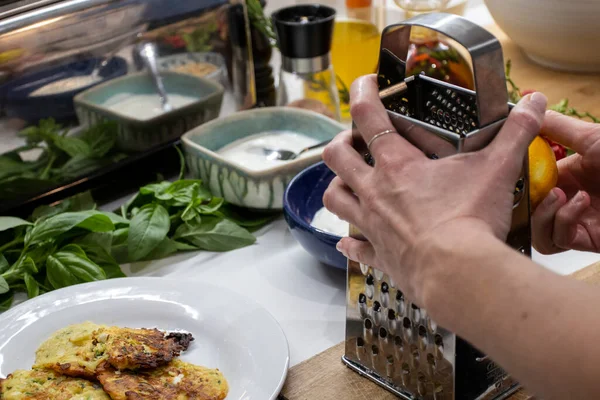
(306, 297)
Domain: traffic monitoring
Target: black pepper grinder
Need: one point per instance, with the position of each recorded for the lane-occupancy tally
(307, 80)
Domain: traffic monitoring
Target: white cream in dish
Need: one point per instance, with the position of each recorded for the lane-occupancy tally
(248, 152)
(327, 221)
(145, 106)
(64, 85)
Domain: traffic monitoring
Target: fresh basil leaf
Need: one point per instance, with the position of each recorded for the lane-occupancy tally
(73, 146)
(4, 265)
(49, 211)
(33, 288)
(189, 213)
(113, 271)
(188, 190)
(31, 135)
(156, 189)
(96, 239)
(27, 265)
(120, 253)
(147, 229)
(116, 219)
(182, 246)
(12, 222)
(49, 228)
(21, 266)
(6, 300)
(9, 166)
(101, 138)
(164, 248)
(71, 266)
(180, 192)
(119, 250)
(47, 129)
(40, 253)
(246, 218)
(98, 254)
(215, 234)
(82, 165)
(213, 205)
(138, 200)
(4, 287)
(80, 202)
(104, 260)
(120, 236)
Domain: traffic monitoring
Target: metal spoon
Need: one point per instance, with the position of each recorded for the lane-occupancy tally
(148, 54)
(285, 155)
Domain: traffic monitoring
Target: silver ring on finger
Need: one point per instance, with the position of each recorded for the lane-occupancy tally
(377, 136)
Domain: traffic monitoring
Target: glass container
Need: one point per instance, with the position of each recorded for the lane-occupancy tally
(307, 78)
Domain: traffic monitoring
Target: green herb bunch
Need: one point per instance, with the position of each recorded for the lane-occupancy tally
(61, 158)
(73, 242)
(515, 94)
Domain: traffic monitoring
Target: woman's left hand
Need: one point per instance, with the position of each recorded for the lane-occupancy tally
(408, 203)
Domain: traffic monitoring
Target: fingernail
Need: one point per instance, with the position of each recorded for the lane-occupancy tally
(579, 198)
(339, 248)
(550, 198)
(539, 101)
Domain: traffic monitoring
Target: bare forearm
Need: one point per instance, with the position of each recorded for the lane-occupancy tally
(542, 328)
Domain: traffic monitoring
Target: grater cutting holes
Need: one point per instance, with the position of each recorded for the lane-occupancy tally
(390, 339)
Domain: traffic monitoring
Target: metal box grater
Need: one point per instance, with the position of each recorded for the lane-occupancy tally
(389, 339)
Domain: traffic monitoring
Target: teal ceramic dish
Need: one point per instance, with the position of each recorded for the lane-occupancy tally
(246, 188)
(136, 134)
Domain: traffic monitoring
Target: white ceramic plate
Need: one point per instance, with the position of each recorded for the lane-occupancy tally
(231, 332)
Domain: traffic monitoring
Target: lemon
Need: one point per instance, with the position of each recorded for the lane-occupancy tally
(543, 172)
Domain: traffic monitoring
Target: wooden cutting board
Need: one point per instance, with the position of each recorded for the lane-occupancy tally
(582, 90)
(324, 377)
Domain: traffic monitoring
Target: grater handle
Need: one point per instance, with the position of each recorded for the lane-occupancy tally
(484, 48)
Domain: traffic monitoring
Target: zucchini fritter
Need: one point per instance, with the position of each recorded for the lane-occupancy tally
(78, 350)
(177, 380)
(127, 348)
(48, 385)
(70, 351)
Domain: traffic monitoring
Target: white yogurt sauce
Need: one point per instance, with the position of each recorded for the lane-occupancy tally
(65, 85)
(327, 221)
(144, 106)
(248, 152)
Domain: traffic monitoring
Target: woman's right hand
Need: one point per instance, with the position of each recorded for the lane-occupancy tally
(569, 217)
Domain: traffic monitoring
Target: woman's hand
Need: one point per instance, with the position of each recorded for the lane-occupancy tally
(569, 217)
(407, 204)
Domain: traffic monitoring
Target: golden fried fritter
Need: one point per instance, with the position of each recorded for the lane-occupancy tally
(48, 385)
(127, 348)
(177, 380)
(71, 351)
(77, 350)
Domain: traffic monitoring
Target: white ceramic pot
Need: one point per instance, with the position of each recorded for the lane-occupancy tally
(560, 34)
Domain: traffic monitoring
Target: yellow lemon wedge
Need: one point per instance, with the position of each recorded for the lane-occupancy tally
(543, 172)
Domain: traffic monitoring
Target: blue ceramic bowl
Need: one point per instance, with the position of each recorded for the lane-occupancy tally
(19, 104)
(302, 199)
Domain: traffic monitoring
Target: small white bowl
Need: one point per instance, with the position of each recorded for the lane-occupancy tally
(243, 187)
(559, 34)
